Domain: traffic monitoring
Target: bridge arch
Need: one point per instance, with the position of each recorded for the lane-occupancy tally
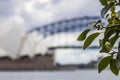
(64, 26)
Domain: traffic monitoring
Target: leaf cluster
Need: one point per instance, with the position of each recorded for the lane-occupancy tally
(111, 35)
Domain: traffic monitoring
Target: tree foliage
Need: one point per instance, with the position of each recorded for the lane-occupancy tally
(111, 35)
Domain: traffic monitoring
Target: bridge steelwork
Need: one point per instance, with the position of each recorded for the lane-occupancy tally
(68, 26)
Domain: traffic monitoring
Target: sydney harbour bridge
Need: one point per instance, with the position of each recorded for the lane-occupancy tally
(64, 26)
(62, 34)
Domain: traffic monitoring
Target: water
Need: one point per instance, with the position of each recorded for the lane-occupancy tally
(58, 75)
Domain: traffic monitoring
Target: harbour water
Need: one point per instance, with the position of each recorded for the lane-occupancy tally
(58, 75)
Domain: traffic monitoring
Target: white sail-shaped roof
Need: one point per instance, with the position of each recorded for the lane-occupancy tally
(3, 53)
(29, 45)
(10, 37)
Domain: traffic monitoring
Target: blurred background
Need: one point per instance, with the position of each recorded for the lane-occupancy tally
(38, 40)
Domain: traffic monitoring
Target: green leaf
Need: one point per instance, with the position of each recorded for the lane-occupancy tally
(104, 11)
(101, 42)
(110, 6)
(103, 2)
(104, 50)
(108, 33)
(113, 40)
(83, 35)
(108, 46)
(113, 67)
(110, 20)
(90, 39)
(118, 60)
(104, 63)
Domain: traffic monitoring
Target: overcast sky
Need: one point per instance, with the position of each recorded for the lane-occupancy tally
(38, 12)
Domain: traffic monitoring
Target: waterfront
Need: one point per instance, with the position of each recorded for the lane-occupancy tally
(62, 59)
(58, 75)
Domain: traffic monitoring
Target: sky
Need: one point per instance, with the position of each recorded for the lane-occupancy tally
(39, 12)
